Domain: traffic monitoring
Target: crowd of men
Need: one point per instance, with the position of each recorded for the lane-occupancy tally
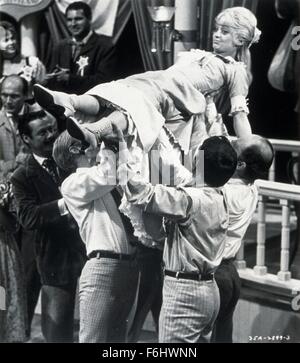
(70, 225)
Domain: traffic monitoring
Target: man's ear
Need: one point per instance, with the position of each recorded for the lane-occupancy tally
(241, 165)
(25, 138)
(74, 149)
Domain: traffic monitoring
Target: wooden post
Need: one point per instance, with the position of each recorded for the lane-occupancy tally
(284, 274)
(272, 170)
(29, 35)
(186, 22)
(260, 268)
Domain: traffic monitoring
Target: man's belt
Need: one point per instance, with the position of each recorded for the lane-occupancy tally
(107, 254)
(189, 275)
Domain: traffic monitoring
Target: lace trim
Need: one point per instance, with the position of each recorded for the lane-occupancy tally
(135, 215)
(238, 104)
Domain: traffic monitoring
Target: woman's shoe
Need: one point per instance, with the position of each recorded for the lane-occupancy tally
(75, 130)
(81, 133)
(59, 104)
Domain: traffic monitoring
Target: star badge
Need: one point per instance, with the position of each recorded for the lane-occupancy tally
(82, 62)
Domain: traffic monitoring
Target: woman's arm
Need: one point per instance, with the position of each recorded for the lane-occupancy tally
(241, 125)
(238, 82)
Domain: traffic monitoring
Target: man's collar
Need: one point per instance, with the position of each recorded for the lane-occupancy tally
(22, 111)
(39, 159)
(85, 39)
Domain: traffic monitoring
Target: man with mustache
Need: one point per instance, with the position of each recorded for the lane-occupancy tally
(40, 207)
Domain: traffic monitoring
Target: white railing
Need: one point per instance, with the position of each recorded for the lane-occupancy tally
(283, 281)
(283, 145)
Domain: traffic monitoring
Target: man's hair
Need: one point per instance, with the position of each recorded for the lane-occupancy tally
(80, 5)
(24, 120)
(220, 160)
(62, 156)
(15, 78)
(258, 158)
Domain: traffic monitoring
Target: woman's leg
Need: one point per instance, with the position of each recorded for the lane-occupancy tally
(61, 104)
(94, 133)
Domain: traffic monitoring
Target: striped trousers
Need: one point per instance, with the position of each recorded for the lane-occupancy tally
(107, 291)
(189, 310)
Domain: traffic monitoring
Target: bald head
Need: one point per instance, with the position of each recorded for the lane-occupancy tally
(256, 154)
(15, 81)
(13, 93)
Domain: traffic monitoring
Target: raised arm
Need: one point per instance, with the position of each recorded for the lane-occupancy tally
(238, 82)
(160, 200)
(241, 124)
(89, 184)
(169, 202)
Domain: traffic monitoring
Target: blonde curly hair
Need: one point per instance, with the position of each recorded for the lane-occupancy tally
(244, 24)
